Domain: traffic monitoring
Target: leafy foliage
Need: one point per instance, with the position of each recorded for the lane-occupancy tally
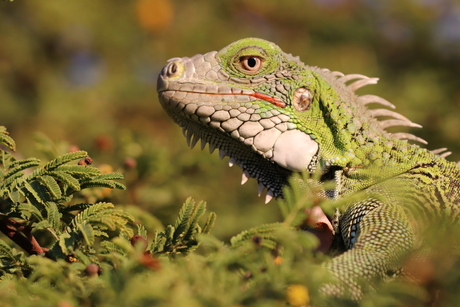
(60, 250)
(6, 140)
(87, 253)
(67, 243)
(182, 237)
(40, 197)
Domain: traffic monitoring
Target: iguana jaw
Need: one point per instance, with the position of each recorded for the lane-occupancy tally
(272, 178)
(262, 142)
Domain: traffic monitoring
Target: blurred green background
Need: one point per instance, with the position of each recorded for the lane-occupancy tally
(84, 74)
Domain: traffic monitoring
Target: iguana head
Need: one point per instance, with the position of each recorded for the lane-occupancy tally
(271, 114)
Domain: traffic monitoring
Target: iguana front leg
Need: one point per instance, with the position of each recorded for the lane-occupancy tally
(378, 236)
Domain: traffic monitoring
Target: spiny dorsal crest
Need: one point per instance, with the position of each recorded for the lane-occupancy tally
(354, 82)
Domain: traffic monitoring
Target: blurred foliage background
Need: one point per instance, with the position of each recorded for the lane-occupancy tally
(83, 73)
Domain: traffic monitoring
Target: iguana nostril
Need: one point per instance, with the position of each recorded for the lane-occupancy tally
(173, 69)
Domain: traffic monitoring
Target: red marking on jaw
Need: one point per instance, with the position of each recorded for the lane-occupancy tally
(256, 95)
(270, 99)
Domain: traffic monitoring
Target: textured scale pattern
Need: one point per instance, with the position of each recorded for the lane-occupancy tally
(273, 115)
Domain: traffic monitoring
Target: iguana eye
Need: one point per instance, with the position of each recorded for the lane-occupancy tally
(250, 64)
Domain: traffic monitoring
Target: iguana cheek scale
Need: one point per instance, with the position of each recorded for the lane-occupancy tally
(273, 115)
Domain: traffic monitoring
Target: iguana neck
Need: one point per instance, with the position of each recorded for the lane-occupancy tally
(381, 159)
(351, 137)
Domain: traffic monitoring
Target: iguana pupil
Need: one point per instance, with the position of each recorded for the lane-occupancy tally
(251, 64)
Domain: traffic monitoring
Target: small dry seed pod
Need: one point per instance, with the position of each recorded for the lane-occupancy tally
(138, 239)
(92, 270)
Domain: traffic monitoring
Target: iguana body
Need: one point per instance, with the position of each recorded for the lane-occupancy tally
(273, 115)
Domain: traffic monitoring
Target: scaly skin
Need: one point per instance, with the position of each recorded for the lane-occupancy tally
(273, 115)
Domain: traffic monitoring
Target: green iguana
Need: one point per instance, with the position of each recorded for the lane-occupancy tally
(273, 115)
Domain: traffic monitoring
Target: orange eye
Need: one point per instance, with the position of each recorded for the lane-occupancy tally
(251, 64)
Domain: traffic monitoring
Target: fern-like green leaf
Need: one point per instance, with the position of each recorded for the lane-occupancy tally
(51, 185)
(21, 165)
(85, 258)
(65, 158)
(79, 171)
(10, 181)
(183, 220)
(169, 235)
(103, 216)
(70, 181)
(6, 251)
(77, 207)
(16, 196)
(98, 233)
(109, 247)
(141, 230)
(209, 223)
(38, 192)
(42, 225)
(6, 159)
(53, 215)
(87, 232)
(193, 227)
(264, 231)
(103, 181)
(158, 242)
(28, 211)
(110, 176)
(6, 140)
(181, 238)
(92, 214)
(62, 246)
(102, 184)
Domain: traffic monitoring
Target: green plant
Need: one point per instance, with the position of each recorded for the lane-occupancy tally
(38, 197)
(61, 249)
